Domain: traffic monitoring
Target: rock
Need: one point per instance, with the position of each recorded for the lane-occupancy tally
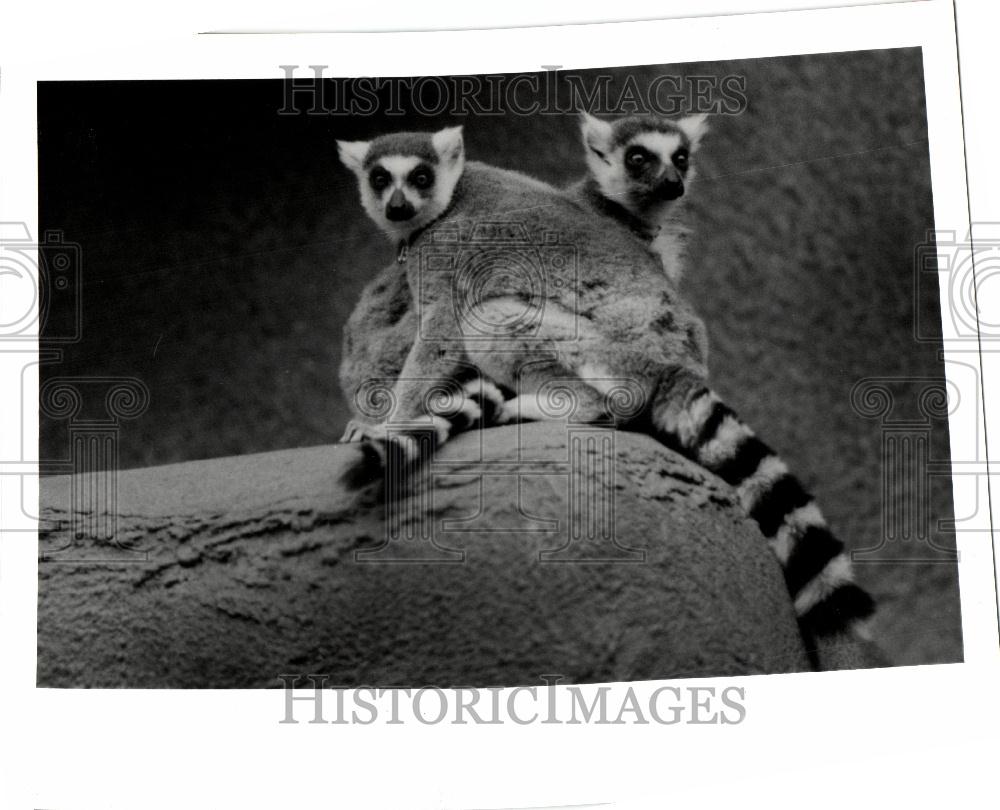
(530, 555)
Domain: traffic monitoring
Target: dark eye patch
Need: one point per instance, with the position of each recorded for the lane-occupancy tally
(422, 177)
(639, 160)
(379, 178)
(681, 158)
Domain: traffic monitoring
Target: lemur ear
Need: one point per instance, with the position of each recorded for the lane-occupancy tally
(694, 126)
(596, 134)
(352, 154)
(448, 144)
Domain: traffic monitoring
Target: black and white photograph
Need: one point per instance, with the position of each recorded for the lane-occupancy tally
(622, 389)
(602, 373)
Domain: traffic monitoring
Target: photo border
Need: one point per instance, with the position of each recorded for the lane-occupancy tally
(232, 739)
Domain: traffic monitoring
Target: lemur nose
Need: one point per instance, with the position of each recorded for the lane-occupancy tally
(398, 208)
(671, 188)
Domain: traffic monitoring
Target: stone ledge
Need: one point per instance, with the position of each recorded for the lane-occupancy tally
(232, 571)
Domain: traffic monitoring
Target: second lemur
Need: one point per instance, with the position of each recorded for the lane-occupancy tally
(639, 170)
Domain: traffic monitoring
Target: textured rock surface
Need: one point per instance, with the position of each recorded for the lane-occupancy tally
(229, 572)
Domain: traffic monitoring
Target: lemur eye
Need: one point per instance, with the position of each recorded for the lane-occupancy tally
(637, 157)
(422, 177)
(681, 158)
(379, 178)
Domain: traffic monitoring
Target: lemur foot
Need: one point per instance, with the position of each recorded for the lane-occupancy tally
(405, 444)
(484, 405)
(384, 448)
(354, 432)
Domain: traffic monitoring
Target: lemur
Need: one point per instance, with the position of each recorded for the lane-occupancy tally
(613, 315)
(639, 171)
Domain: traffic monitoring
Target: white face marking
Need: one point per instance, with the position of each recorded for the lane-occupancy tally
(661, 144)
(662, 221)
(399, 166)
(608, 174)
(425, 209)
(616, 185)
(448, 168)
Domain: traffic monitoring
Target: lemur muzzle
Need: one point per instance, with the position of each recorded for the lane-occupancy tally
(670, 189)
(398, 208)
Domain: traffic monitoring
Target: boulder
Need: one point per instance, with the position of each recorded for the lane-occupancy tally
(520, 552)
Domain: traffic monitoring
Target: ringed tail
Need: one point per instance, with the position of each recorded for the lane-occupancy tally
(395, 451)
(816, 567)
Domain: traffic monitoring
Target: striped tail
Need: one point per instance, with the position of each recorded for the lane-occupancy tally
(816, 567)
(392, 451)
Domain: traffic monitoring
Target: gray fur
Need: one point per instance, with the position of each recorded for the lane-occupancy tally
(625, 129)
(599, 306)
(417, 144)
(377, 338)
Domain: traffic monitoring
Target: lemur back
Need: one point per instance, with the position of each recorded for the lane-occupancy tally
(376, 339)
(610, 318)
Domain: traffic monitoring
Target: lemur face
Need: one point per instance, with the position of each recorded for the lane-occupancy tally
(642, 162)
(406, 180)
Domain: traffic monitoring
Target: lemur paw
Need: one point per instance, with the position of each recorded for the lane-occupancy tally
(484, 403)
(354, 432)
(399, 449)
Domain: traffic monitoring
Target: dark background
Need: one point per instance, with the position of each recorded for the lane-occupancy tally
(223, 247)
